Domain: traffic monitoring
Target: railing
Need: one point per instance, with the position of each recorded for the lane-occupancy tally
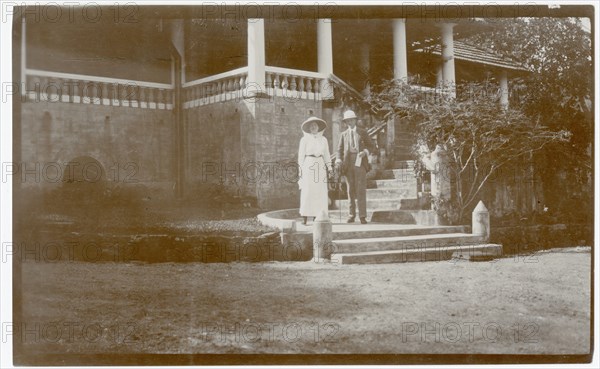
(375, 130)
(438, 93)
(291, 84)
(49, 86)
(217, 88)
(355, 95)
(294, 83)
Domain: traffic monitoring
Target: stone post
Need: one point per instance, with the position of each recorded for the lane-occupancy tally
(481, 221)
(322, 237)
(440, 176)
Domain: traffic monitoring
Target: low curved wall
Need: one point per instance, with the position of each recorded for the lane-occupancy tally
(284, 220)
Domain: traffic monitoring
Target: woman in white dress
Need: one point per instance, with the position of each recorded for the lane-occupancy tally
(313, 160)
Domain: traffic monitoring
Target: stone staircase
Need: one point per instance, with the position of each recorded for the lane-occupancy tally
(401, 228)
(392, 186)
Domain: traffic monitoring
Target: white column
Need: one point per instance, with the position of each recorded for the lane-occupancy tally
(504, 89)
(325, 55)
(256, 56)
(449, 77)
(324, 46)
(439, 77)
(178, 40)
(365, 67)
(400, 63)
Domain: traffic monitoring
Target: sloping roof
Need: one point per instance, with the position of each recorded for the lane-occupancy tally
(463, 51)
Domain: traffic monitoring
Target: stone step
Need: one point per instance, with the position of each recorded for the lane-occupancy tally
(391, 193)
(404, 216)
(421, 203)
(379, 230)
(340, 216)
(404, 164)
(403, 155)
(400, 140)
(361, 245)
(415, 255)
(373, 204)
(394, 183)
(406, 174)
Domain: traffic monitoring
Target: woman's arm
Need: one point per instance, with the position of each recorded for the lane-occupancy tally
(301, 152)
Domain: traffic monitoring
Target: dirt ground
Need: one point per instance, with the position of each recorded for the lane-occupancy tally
(539, 304)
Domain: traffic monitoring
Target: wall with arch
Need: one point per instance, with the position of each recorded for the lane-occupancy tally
(132, 145)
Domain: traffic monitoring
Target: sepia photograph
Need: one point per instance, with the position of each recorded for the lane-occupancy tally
(289, 183)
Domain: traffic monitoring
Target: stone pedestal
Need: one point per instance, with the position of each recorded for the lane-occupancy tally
(322, 237)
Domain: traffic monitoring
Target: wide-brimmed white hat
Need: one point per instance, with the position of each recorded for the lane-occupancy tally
(320, 122)
(349, 114)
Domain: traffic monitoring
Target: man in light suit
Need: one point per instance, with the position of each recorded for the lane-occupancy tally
(355, 143)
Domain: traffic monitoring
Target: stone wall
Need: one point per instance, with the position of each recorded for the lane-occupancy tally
(273, 134)
(248, 147)
(212, 145)
(133, 145)
(528, 239)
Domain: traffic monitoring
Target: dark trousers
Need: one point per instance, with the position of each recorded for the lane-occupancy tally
(356, 180)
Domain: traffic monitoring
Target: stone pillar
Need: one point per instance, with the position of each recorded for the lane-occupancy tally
(365, 67)
(178, 40)
(322, 237)
(481, 221)
(440, 174)
(504, 89)
(449, 77)
(400, 63)
(256, 56)
(325, 55)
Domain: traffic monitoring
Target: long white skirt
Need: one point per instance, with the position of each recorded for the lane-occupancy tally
(313, 187)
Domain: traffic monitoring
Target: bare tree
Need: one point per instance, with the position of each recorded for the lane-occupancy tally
(479, 135)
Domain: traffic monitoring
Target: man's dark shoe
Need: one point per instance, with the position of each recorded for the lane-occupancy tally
(350, 220)
(363, 220)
